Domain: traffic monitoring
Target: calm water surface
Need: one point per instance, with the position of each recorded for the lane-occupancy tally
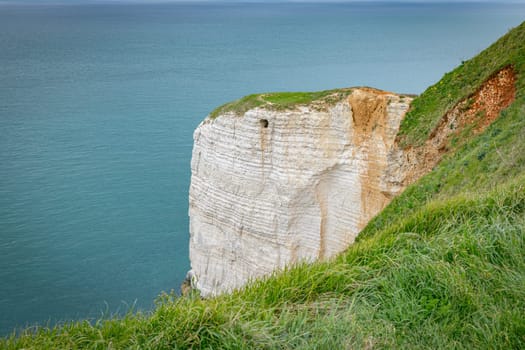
(97, 108)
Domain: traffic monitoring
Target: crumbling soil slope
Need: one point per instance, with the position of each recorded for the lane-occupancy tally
(469, 117)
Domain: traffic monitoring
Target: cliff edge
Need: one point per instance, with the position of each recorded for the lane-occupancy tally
(274, 186)
(276, 183)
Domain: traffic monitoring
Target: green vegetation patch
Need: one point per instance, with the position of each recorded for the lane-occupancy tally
(281, 101)
(427, 110)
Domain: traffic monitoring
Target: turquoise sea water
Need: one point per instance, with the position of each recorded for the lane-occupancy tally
(98, 104)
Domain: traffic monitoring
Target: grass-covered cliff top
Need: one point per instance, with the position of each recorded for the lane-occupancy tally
(280, 101)
(442, 267)
(285, 100)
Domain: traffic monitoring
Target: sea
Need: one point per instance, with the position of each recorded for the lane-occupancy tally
(99, 101)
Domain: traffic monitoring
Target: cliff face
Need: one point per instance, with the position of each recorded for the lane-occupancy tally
(274, 187)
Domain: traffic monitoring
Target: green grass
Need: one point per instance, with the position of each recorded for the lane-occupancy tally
(459, 84)
(279, 101)
(442, 267)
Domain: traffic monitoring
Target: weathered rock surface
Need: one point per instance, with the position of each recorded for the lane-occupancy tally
(272, 188)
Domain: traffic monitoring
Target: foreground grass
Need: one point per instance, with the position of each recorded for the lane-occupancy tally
(443, 266)
(450, 275)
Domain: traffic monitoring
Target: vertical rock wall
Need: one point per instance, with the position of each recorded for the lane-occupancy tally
(271, 188)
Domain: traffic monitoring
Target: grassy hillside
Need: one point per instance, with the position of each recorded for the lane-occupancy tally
(443, 266)
(427, 110)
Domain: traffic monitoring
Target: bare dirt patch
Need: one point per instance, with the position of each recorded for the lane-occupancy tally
(469, 117)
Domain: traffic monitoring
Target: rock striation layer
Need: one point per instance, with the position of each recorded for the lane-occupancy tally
(274, 187)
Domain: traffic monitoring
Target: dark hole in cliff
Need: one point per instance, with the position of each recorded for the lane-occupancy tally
(264, 123)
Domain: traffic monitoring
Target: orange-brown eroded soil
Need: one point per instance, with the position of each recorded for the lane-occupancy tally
(476, 112)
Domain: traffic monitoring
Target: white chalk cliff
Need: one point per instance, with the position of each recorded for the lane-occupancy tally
(273, 187)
